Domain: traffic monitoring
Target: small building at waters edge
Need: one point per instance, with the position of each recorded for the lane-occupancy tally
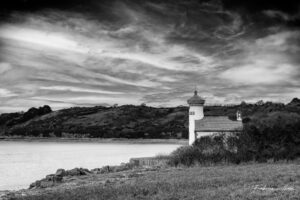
(200, 126)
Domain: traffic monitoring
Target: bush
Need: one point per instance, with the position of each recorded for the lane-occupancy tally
(207, 151)
(273, 136)
(186, 155)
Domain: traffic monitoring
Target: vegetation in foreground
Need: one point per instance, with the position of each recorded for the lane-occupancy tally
(252, 181)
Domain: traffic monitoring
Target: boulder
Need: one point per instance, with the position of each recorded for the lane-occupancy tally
(60, 172)
(73, 172)
(57, 179)
(48, 181)
(49, 177)
(36, 184)
(109, 169)
(78, 172)
(84, 171)
(54, 179)
(105, 170)
(45, 184)
(96, 171)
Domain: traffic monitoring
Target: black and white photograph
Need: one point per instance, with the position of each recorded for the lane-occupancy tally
(149, 100)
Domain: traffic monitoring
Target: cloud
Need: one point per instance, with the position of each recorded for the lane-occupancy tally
(260, 73)
(6, 93)
(76, 89)
(36, 37)
(265, 60)
(281, 15)
(4, 67)
(277, 14)
(155, 52)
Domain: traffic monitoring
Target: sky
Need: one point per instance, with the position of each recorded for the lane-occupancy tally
(84, 53)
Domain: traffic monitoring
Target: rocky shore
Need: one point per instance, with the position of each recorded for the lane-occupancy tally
(63, 175)
(107, 175)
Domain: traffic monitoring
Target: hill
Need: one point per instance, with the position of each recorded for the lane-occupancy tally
(127, 121)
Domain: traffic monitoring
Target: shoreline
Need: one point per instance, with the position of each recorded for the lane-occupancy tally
(163, 182)
(96, 140)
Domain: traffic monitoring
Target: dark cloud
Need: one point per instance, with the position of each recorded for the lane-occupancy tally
(254, 6)
(34, 5)
(158, 7)
(66, 53)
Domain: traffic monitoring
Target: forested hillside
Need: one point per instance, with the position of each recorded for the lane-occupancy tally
(126, 121)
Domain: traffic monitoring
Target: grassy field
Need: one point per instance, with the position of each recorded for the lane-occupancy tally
(252, 181)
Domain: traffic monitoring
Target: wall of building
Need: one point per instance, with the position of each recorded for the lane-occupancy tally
(195, 113)
(203, 134)
(148, 161)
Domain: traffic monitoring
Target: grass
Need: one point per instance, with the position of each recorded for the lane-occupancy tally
(235, 182)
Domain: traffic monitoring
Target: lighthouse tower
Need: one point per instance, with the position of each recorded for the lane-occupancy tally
(196, 104)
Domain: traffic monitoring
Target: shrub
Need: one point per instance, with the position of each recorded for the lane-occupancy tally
(206, 151)
(186, 155)
(272, 136)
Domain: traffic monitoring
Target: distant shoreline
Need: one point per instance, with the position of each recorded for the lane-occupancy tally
(97, 140)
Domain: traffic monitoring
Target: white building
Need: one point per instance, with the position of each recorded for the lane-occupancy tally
(200, 126)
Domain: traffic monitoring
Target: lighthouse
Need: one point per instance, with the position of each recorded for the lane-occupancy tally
(196, 104)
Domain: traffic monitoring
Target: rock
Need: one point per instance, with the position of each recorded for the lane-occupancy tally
(53, 178)
(96, 171)
(49, 181)
(57, 179)
(45, 184)
(109, 169)
(105, 169)
(60, 172)
(36, 184)
(77, 172)
(49, 177)
(84, 171)
(73, 172)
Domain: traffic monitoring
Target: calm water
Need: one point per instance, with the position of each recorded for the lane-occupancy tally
(21, 163)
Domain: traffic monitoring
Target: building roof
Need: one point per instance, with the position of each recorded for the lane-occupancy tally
(218, 124)
(196, 100)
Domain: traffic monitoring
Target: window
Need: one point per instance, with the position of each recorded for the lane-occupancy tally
(192, 113)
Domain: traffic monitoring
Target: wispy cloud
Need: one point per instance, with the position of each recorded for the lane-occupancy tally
(266, 60)
(6, 93)
(281, 15)
(4, 67)
(77, 89)
(154, 52)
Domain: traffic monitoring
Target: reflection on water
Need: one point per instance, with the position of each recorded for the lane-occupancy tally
(21, 163)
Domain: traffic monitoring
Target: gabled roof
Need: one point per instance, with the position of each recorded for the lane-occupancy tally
(218, 124)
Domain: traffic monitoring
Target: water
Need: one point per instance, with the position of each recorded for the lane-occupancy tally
(22, 163)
